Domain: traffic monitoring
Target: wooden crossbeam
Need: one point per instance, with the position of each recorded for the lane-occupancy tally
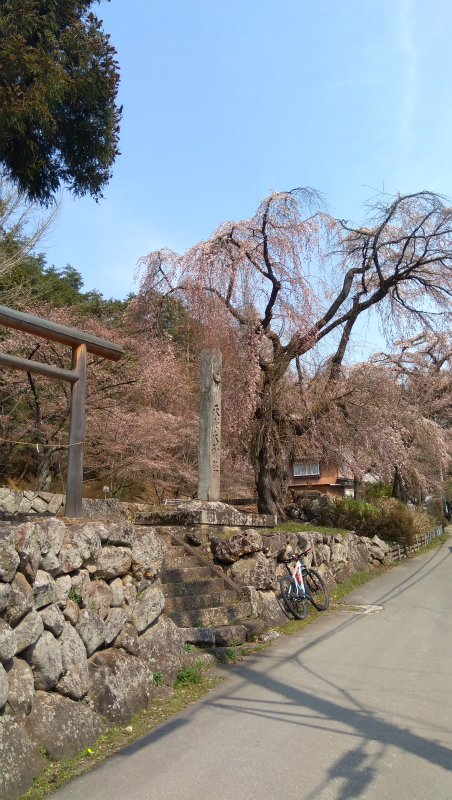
(48, 370)
(59, 333)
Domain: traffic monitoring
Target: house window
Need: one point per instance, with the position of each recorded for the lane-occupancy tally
(302, 470)
(345, 472)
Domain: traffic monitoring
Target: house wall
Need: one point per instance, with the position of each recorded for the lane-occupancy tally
(322, 483)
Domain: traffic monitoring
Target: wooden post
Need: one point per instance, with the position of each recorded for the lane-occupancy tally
(210, 426)
(74, 480)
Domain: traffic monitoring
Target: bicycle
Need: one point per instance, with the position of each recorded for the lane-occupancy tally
(303, 584)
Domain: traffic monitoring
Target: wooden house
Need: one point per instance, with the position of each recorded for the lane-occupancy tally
(310, 474)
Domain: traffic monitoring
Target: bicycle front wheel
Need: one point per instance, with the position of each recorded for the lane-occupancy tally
(316, 590)
(294, 601)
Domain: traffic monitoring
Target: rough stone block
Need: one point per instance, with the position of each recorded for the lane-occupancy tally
(120, 685)
(81, 583)
(128, 640)
(110, 509)
(253, 627)
(20, 599)
(114, 624)
(162, 648)
(199, 658)
(230, 550)
(147, 608)
(255, 570)
(28, 630)
(21, 686)
(74, 681)
(55, 503)
(3, 688)
(99, 597)
(148, 553)
(274, 544)
(251, 596)
(119, 533)
(339, 553)
(8, 642)
(343, 572)
(43, 589)
(9, 558)
(71, 612)
(61, 726)
(5, 592)
(112, 562)
(62, 588)
(38, 505)
(10, 502)
(90, 628)
(21, 759)
(117, 593)
(53, 620)
(229, 635)
(130, 591)
(198, 636)
(27, 541)
(270, 610)
(44, 657)
(81, 544)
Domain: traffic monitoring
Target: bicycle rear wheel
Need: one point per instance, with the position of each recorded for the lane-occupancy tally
(316, 590)
(294, 602)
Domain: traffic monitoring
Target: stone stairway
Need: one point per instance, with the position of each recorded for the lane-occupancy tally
(195, 595)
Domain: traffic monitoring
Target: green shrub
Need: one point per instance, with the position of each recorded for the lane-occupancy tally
(435, 510)
(389, 519)
(374, 491)
(350, 514)
(396, 523)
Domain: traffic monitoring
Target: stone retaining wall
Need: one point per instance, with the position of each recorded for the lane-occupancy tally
(253, 558)
(81, 633)
(15, 503)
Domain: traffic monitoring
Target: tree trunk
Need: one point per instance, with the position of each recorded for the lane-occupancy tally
(272, 444)
(272, 484)
(358, 488)
(46, 472)
(399, 487)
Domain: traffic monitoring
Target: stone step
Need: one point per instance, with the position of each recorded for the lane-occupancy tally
(192, 601)
(176, 562)
(221, 615)
(177, 575)
(176, 550)
(186, 588)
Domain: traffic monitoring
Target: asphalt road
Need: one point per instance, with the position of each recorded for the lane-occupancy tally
(354, 705)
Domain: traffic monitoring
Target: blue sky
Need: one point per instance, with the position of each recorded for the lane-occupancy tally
(227, 99)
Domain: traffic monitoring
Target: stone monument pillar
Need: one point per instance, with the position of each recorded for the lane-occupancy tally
(210, 426)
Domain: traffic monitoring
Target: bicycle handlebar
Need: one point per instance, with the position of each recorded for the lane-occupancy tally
(295, 557)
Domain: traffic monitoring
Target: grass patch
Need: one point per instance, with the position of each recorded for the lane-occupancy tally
(188, 675)
(158, 678)
(356, 580)
(299, 527)
(57, 773)
(294, 625)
